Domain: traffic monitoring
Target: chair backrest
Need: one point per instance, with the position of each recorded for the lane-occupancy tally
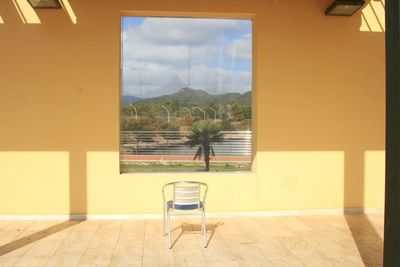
(188, 193)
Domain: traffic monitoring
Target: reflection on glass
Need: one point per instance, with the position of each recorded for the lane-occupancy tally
(186, 94)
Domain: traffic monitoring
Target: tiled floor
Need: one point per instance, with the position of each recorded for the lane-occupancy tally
(351, 240)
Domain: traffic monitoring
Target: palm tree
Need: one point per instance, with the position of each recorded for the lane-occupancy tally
(202, 134)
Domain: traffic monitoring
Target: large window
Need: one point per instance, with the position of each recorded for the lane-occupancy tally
(186, 94)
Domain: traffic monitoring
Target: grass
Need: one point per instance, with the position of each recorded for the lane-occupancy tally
(167, 166)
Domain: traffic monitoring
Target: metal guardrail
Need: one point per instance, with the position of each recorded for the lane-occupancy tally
(235, 143)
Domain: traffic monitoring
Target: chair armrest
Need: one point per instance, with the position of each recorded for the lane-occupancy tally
(205, 194)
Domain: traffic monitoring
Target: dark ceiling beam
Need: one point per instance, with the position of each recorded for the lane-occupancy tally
(391, 256)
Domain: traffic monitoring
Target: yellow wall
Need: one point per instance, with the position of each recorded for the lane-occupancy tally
(318, 111)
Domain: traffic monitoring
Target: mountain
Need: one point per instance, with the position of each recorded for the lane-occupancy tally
(199, 97)
(126, 99)
(246, 97)
(172, 84)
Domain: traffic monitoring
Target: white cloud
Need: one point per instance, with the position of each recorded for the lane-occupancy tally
(195, 51)
(176, 31)
(242, 47)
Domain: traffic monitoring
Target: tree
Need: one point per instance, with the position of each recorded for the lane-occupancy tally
(226, 125)
(203, 134)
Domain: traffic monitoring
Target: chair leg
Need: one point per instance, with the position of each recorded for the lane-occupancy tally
(203, 227)
(164, 222)
(169, 230)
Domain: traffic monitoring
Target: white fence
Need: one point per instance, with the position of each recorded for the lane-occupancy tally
(234, 143)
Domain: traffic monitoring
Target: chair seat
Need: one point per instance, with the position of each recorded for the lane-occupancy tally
(170, 205)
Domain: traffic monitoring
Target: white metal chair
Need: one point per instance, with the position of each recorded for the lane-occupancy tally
(184, 196)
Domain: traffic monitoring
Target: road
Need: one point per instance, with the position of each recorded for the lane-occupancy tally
(183, 158)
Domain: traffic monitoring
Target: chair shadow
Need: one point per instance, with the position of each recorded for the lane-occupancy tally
(195, 228)
(19, 243)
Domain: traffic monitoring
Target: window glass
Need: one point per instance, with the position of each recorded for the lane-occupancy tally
(186, 102)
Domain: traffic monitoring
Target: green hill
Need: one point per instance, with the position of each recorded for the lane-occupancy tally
(231, 110)
(190, 96)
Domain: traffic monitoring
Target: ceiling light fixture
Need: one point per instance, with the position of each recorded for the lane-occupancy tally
(344, 8)
(45, 3)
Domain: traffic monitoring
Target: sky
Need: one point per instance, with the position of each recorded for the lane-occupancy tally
(162, 55)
